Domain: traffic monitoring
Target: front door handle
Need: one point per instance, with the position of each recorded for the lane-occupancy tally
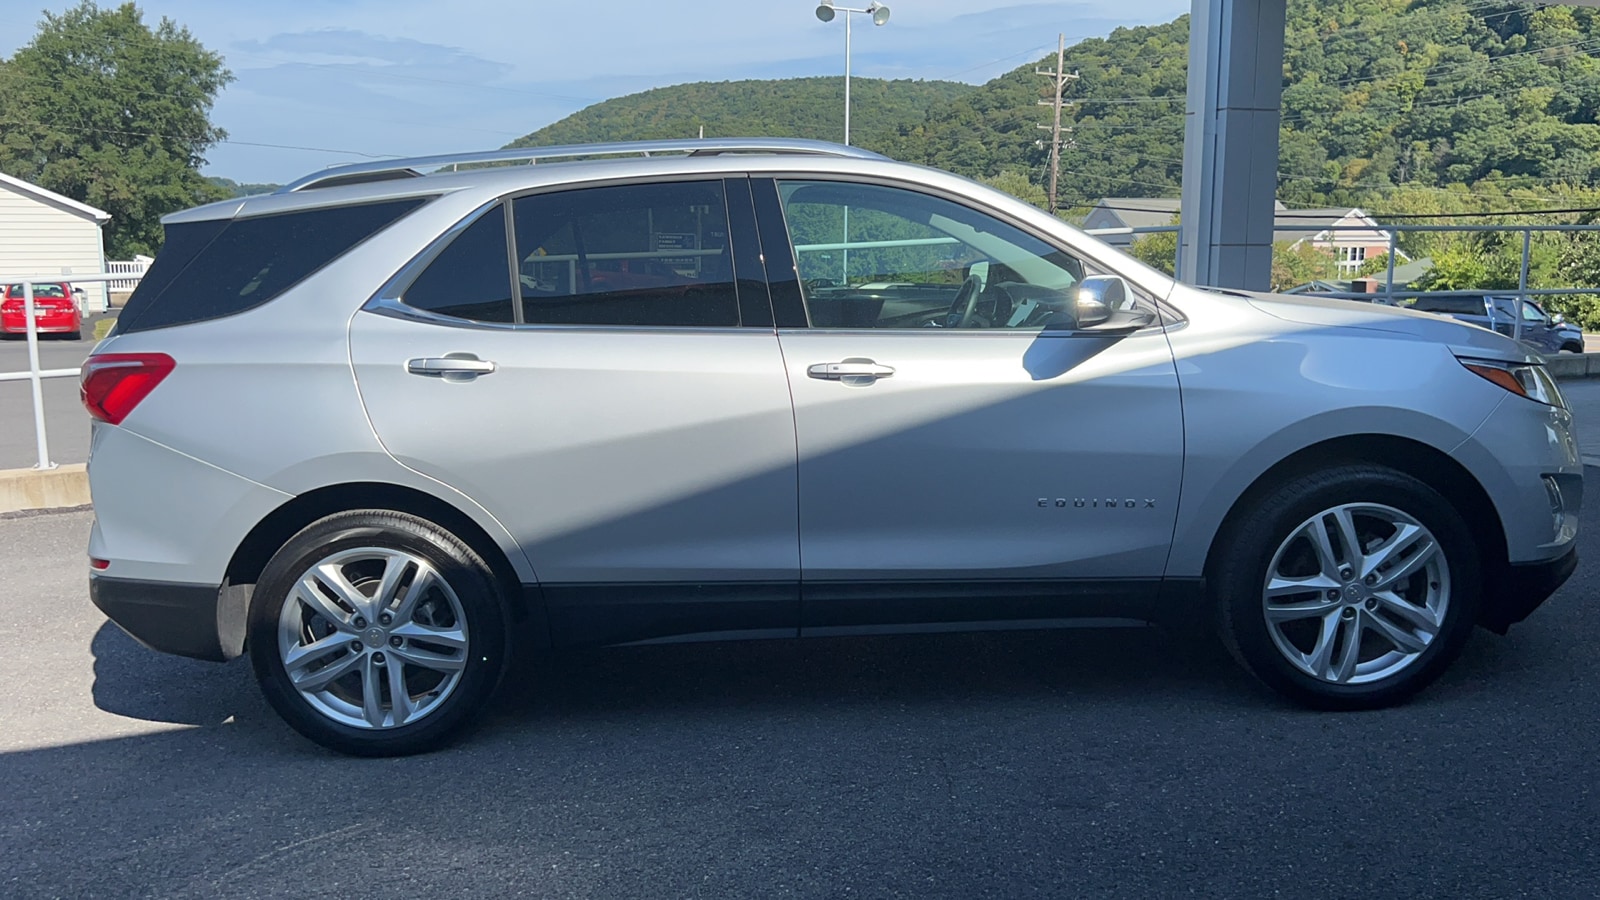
(850, 371)
(451, 366)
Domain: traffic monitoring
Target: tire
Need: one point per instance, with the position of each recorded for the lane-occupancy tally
(73, 335)
(445, 637)
(1571, 348)
(1408, 631)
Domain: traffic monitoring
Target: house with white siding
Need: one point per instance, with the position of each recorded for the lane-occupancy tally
(1350, 235)
(44, 233)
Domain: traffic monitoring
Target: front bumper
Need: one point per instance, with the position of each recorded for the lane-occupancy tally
(185, 619)
(1517, 590)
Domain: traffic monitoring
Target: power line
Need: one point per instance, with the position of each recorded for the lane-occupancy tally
(343, 115)
(1289, 215)
(94, 130)
(1059, 79)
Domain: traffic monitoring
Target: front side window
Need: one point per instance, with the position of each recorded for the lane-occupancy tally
(1531, 313)
(871, 256)
(631, 255)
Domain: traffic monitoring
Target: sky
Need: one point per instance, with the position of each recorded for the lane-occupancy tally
(320, 82)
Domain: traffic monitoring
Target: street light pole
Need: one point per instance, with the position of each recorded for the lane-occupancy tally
(825, 12)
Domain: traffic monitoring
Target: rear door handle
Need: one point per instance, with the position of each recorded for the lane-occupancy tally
(451, 366)
(850, 371)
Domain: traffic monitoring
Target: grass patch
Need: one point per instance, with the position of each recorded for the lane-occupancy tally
(102, 328)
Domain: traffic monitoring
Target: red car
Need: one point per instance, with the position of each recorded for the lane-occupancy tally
(55, 310)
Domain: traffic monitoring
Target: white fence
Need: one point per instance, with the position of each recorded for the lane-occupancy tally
(134, 269)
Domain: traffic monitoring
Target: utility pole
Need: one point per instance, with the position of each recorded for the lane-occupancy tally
(1060, 78)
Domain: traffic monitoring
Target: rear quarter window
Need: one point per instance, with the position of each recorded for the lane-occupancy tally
(1453, 306)
(211, 269)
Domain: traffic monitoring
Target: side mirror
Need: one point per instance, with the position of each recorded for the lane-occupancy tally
(1558, 319)
(1096, 297)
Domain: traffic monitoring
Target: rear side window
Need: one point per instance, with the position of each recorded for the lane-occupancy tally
(641, 255)
(471, 279)
(208, 270)
(1455, 306)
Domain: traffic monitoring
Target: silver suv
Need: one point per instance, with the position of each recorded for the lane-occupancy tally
(385, 429)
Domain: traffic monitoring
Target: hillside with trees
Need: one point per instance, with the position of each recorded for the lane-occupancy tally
(1464, 95)
(792, 107)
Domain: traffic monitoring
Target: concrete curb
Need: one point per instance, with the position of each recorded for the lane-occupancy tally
(1574, 365)
(22, 489)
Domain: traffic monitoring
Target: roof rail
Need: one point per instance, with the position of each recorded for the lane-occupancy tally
(385, 170)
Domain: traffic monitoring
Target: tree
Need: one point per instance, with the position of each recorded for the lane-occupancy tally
(110, 112)
(1158, 250)
(1016, 183)
(1298, 263)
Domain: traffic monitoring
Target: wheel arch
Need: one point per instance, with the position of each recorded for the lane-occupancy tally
(278, 526)
(1421, 461)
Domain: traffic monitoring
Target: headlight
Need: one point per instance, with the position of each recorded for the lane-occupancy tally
(1523, 379)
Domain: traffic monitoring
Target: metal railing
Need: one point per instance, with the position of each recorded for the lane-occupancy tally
(35, 375)
(1387, 294)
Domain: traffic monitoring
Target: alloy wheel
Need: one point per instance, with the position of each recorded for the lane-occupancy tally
(373, 638)
(1356, 593)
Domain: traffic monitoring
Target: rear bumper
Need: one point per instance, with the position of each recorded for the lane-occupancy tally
(1520, 589)
(17, 323)
(185, 619)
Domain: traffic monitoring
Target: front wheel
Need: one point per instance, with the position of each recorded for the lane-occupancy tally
(377, 633)
(1350, 588)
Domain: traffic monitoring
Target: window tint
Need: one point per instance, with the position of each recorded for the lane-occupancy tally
(652, 254)
(471, 279)
(880, 257)
(1459, 306)
(207, 270)
(40, 291)
(1531, 313)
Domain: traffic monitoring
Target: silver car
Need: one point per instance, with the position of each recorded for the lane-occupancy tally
(384, 429)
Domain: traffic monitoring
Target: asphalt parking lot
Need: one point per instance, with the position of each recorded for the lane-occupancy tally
(1118, 763)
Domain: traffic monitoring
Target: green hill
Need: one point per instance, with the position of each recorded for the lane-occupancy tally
(1498, 96)
(1377, 93)
(792, 107)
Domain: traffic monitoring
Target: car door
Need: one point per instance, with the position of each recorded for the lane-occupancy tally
(1537, 328)
(618, 400)
(1503, 316)
(968, 452)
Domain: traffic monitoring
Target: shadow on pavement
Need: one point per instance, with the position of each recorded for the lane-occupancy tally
(1126, 762)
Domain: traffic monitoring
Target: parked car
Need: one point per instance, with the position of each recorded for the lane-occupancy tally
(383, 431)
(1508, 314)
(55, 310)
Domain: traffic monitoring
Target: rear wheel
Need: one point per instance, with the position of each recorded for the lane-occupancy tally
(1350, 588)
(377, 633)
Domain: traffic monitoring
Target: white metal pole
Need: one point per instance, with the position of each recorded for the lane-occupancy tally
(847, 78)
(846, 241)
(33, 377)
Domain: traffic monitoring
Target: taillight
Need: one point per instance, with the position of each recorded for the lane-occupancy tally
(112, 384)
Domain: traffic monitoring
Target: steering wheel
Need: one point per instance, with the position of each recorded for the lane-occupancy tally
(965, 306)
